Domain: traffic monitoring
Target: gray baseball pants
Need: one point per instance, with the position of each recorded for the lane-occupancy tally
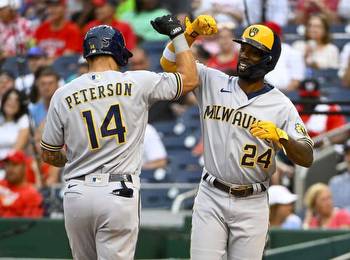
(99, 224)
(226, 225)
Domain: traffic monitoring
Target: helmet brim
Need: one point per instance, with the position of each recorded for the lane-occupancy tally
(252, 43)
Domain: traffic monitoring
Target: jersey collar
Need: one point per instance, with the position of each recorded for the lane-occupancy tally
(267, 87)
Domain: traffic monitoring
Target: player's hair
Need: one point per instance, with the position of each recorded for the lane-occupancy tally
(312, 193)
(21, 100)
(326, 38)
(47, 71)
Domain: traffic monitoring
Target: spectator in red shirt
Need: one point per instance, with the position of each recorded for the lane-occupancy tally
(227, 57)
(17, 197)
(58, 36)
(317, 124)
(305, 8)
(321, 212)
(104, 13)
(16, 32)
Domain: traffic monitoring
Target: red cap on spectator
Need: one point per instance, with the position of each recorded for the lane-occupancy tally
(99, 3)
(274, 27)
(310, 88)
(15, 156)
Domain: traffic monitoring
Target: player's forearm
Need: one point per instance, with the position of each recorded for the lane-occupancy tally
(57, 159)
(299, 152)
(160, 163)
(169, 65)
(185, 64)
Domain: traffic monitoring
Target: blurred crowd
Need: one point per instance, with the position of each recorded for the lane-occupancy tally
(36, 35)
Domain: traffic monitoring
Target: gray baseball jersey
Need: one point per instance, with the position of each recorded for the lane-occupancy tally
(233, 154)
(106, 110)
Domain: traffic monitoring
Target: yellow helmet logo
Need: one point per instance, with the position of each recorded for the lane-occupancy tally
(253, 31)
(261, 35)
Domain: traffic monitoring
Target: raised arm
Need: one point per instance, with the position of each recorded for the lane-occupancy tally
(202, 25)
(169, 25)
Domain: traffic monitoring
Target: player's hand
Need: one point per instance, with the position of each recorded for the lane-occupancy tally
(202, 25)
(168, 25)
(268, 130)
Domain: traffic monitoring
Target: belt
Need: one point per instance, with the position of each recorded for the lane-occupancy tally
(112, 178)
(238, 191)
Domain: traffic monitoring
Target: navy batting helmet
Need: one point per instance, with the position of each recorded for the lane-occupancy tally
(105, 40)
(264, 39)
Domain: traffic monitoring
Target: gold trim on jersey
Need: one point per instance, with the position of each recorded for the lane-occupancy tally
(307, 141)
(178, 85)
(49, 147)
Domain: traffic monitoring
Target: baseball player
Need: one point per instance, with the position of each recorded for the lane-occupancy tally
(99, 119)
(244, 121)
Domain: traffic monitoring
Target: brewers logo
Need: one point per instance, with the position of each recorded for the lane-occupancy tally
(301, 129)
(253, 31)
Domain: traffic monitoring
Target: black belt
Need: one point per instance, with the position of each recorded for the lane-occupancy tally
(112, 178)
(238, 191)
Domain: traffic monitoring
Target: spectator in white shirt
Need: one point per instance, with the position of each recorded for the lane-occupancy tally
(344, 65)
(290, 68)
(14, 122)
(276, 11)
(317, 47)
(154, 153)
(344, 10)
(224, 11)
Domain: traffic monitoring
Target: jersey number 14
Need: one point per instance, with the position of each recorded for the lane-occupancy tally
(113, 118)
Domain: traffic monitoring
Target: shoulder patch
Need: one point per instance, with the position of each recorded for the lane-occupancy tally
(301, 129)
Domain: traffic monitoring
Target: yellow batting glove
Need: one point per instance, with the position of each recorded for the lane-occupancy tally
(202, 25)
(268, 130)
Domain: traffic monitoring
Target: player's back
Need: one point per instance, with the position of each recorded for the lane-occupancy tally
(104, 116)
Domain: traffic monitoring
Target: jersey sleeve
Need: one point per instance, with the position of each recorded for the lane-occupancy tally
(203, 73)
(163, 86)
(53, 136)
(295, 127)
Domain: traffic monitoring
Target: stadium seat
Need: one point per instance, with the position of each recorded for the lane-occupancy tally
(154, 50)
(155, 198)
(66, 66)
(173, 143)
(184, 160)
(165, 128)
(327, 77)
(183, 176)
(16, 65)
(154, 176)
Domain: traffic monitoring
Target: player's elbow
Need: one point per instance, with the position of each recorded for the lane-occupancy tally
(307, 161)
(167, 66)
(190, 83)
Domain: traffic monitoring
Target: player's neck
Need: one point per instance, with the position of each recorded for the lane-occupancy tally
(250, 87)
(103, 63)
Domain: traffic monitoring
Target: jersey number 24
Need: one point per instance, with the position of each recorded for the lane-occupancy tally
(250, 157)
(112, 126)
